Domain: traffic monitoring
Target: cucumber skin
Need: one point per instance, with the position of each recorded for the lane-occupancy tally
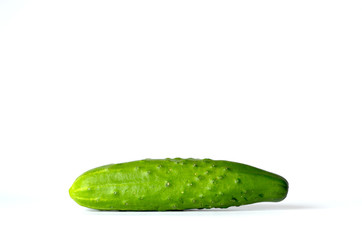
(176, 184)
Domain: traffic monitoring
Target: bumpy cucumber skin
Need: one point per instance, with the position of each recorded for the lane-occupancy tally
(176, 184)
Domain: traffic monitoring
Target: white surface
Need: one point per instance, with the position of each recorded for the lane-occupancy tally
(274, 84)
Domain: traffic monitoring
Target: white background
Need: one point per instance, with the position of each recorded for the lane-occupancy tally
(274, 84)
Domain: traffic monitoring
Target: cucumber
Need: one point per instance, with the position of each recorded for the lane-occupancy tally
(176, 184)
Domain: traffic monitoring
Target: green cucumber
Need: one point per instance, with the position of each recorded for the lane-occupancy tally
(176, 184)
